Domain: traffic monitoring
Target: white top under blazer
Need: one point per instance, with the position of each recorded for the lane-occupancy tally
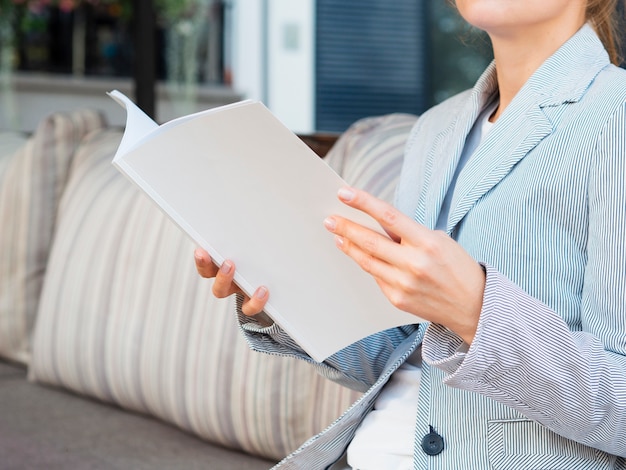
(542, 205)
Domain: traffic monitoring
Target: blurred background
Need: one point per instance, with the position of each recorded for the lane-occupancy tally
(319, 65)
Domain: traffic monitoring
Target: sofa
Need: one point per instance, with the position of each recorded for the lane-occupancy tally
(113, 352)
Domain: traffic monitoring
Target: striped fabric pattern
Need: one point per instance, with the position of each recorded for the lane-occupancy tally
(31, 183)
(125, 318)
(368, 154)
(10, 142)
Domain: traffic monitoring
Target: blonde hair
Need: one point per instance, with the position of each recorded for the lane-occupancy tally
(603, 16)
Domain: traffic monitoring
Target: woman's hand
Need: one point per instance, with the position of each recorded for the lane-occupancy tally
(223, 286)
(421, 271)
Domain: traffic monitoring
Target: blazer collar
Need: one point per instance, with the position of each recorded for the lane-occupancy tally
(561, 79)
(568, 73)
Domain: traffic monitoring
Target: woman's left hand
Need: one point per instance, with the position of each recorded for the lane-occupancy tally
(421, 271)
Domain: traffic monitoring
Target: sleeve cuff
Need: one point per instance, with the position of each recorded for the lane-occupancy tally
(445, 349)
(262, 333)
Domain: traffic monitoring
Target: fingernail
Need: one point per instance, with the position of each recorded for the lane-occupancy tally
(339, 241)
(226, 267)
(260, 293)
(345, 194)
(330, 224)
(197, 255)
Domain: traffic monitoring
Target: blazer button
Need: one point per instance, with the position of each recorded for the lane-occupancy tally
(432, 443)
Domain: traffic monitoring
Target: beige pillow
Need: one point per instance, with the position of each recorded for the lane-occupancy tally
(31, 183)
(124, 317)
(10, 142)
(369, 153)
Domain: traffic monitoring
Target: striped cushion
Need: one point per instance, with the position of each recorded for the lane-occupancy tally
(124, 317)
(10, 142)
(31, 182)
(369, 153)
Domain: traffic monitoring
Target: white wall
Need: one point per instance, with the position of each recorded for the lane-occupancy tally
(291, 67)
(248, 48)
(274, 57)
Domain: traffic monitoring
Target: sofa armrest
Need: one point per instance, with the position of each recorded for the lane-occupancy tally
(320, 142)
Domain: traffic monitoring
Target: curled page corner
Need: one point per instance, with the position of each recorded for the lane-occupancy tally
(138, 124)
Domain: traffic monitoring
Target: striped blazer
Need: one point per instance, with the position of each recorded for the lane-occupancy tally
(542, 205)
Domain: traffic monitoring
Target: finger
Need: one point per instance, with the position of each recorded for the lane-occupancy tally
(394, 222)
(378, 267)
(223, 286)
(397, 286)
(370, 242)
(255, 304)
(204, 263)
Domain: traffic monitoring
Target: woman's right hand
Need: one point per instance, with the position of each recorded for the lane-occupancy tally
(223, 286)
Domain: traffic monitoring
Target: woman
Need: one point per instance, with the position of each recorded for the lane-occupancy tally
(509, 238)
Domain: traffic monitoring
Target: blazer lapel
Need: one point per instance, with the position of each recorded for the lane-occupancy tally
(530, 115)
(497, 155)
(446, 151)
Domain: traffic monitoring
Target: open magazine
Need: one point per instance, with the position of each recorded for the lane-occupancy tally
(244, 187)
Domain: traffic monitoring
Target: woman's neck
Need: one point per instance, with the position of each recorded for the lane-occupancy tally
(518, 57)
(514, 66)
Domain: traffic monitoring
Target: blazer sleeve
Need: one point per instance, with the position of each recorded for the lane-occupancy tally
(357, 366)
(525, 356)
